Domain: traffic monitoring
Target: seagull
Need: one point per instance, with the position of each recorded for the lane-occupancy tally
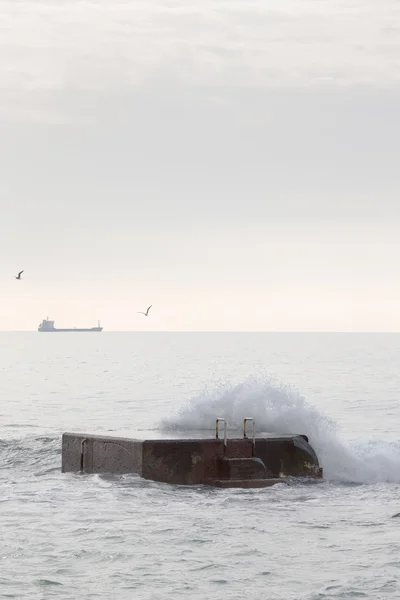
(147, 311)
(19, 275)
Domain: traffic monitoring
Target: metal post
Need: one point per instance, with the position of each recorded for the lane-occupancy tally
(254, 431)
(217, 429)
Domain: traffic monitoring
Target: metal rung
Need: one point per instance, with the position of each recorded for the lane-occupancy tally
(254, 431)
(217, 422)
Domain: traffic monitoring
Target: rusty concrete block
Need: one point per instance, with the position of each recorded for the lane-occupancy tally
(193, 461)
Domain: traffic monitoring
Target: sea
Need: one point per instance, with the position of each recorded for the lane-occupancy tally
(68, 536)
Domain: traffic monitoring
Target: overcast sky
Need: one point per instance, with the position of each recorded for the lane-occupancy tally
(233, 163)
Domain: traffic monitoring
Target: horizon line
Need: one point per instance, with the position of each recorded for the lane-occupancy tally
(211, 331)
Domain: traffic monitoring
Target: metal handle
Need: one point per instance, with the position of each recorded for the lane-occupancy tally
(245, 431)
(83, 452)
(217, 429)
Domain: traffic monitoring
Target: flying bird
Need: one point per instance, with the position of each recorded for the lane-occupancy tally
(147, 311)
(19, 275)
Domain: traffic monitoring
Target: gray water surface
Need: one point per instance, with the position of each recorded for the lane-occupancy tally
(68, 536)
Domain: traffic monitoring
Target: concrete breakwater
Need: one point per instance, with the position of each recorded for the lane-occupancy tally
(239, 462)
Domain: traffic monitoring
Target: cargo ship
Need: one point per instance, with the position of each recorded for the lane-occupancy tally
(48, 326)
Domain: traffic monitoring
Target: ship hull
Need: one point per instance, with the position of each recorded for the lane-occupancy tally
(92, 329)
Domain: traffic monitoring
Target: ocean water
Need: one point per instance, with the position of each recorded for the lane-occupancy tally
(107, 537)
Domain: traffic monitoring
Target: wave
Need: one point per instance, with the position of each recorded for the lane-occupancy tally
(29, 451)
(278, 408)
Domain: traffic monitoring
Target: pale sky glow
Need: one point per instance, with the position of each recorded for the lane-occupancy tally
(235, 164)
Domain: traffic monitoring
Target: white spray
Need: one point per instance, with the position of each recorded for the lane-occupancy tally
(280, 409)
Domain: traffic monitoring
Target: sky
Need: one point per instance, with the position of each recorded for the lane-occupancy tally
(234, 164)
